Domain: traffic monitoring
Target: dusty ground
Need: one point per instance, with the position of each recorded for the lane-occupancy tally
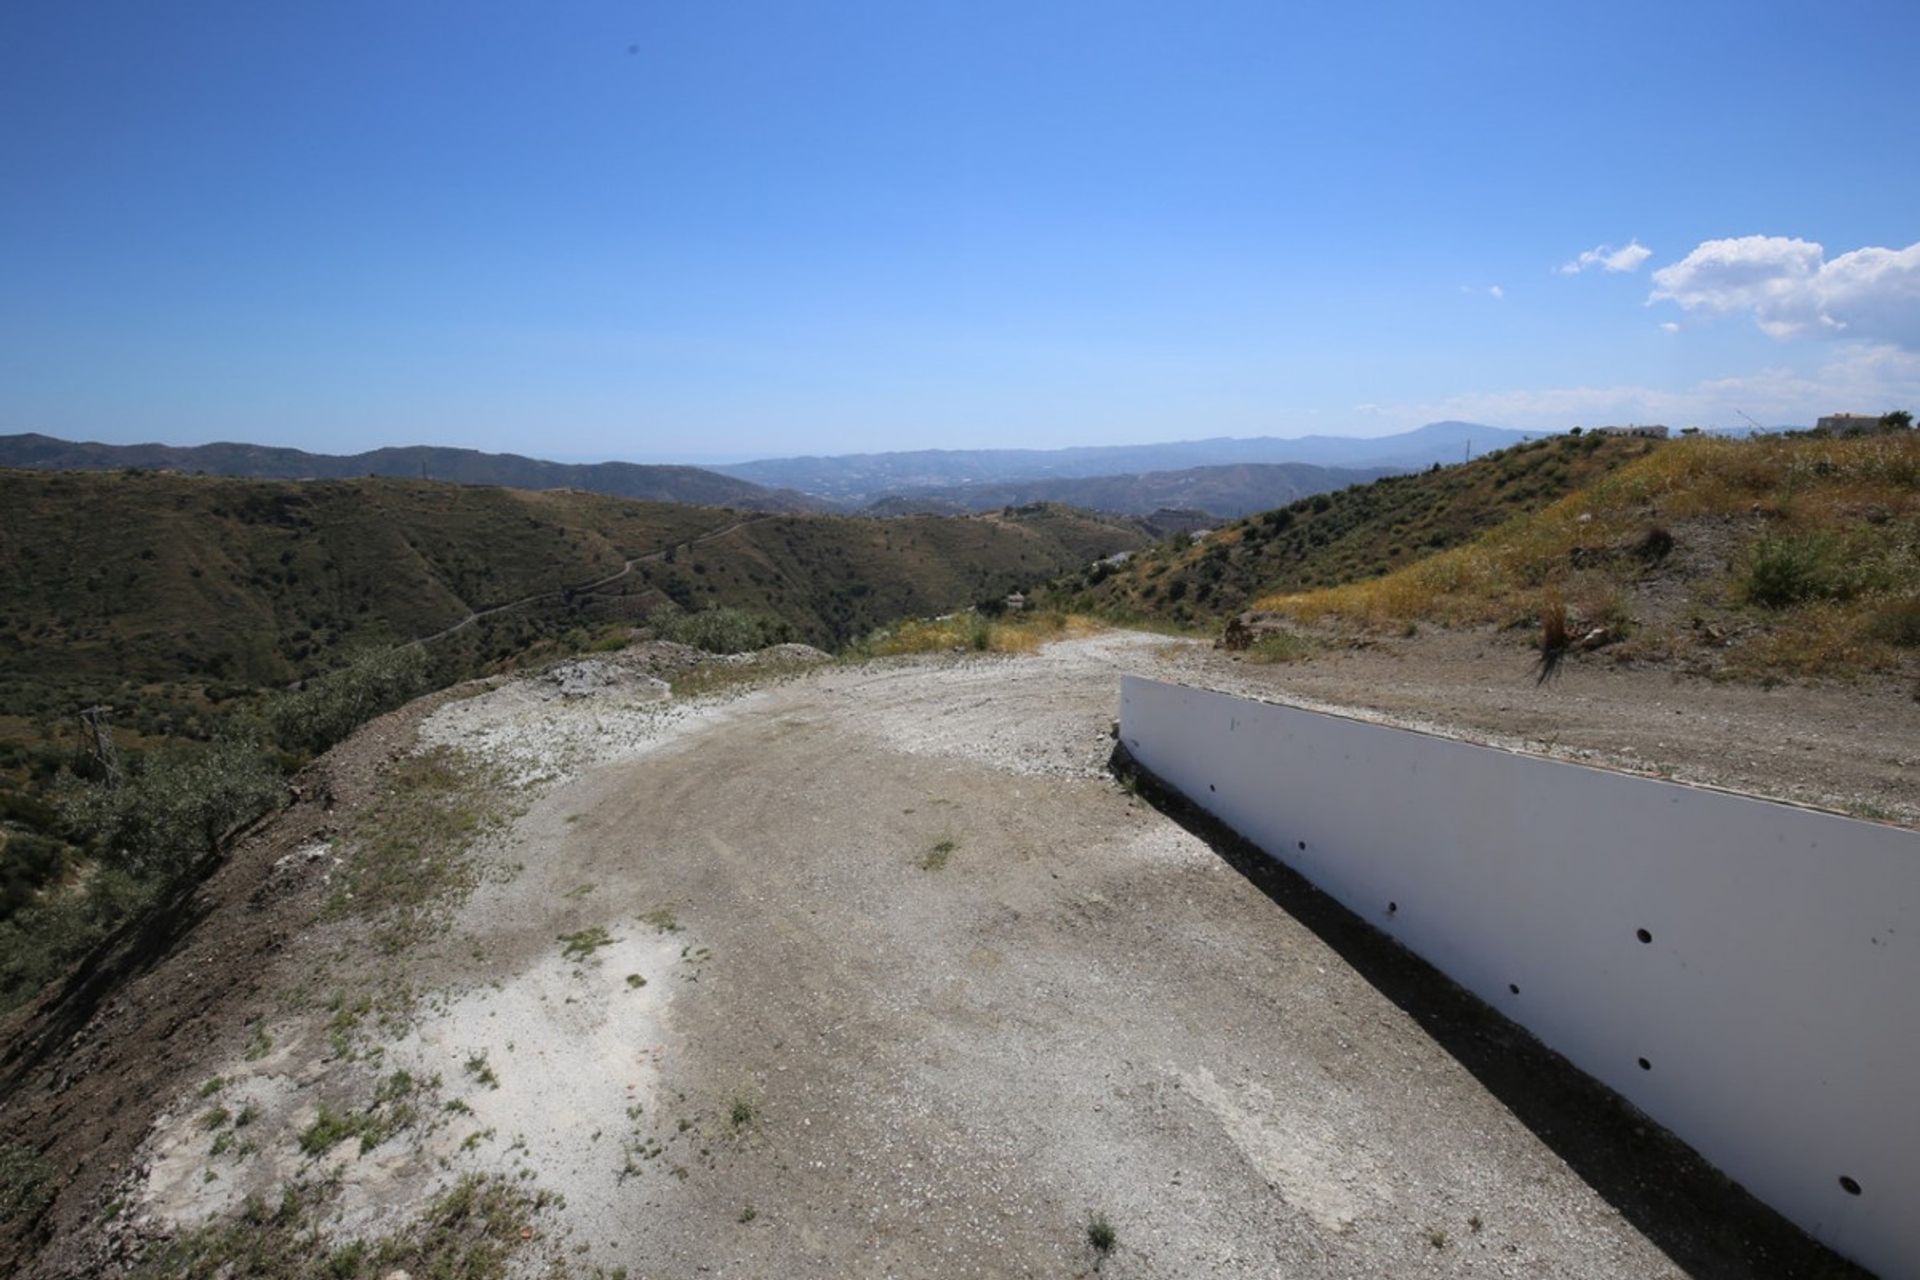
(1854, 748)
(874, 971)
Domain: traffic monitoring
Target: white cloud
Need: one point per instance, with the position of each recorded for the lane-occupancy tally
(1608, 258)
(1859, 378)
(1670, 326)
(1791, 288)
(1494, 290)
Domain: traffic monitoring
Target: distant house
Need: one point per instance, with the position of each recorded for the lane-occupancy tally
(1848, 424)
(1649, 431)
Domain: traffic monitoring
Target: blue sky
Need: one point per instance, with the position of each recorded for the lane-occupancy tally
(726, 229)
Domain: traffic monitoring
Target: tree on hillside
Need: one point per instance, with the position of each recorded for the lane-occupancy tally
(1898, 420)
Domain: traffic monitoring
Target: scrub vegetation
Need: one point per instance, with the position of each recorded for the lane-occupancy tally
(1798, 555)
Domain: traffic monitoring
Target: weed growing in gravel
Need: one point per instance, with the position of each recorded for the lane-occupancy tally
(1437, 1238)
(211, 1087)
(393, 1109)
(662, 920)
(635, 981)
(329, 1129)
(748, 1214)
(1101, 1237)
(743, 1113)
(478, 1068)
(259, 1043)
(936, 858)
(582, 943)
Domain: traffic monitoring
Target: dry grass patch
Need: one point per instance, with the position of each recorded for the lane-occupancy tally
(1827, 551)
(975, 632)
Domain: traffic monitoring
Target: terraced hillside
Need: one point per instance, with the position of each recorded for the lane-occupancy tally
(1346, 536)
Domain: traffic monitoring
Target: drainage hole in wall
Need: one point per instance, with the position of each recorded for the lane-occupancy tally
(1849, 1186)
(1514, 987)
(1303, 846)
(1393, 908)
(1645, 1065)
(1643, 935)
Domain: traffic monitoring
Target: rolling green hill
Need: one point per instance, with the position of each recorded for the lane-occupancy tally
(1345, 536)
(130, 587)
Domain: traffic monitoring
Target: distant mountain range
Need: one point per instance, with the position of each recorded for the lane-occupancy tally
(693, 485)
(1224, 477)
(867, 477)
(1225, 491)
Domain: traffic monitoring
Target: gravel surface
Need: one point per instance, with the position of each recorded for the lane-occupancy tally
(887, 977)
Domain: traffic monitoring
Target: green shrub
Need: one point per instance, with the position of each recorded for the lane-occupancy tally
(326, 709)
(725, 630)
(1787, 571)
(173, 806)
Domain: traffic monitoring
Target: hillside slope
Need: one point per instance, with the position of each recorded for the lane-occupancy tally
(1762, 557)
(418, 462)
(1223, 492)
(114, 584)
(1352, 534)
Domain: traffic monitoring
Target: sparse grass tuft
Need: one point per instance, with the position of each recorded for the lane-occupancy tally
(478, 1067)
(662, 920)
(936, 858)
(1101, 1237)
(742, 1113)
(582, 943)
(471, 1231)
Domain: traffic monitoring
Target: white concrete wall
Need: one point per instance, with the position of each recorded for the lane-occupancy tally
(1776, 1007)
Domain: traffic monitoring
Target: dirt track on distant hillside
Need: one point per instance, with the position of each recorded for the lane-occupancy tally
(924, 990)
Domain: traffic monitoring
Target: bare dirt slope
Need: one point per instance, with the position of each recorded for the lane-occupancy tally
(872, 971)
